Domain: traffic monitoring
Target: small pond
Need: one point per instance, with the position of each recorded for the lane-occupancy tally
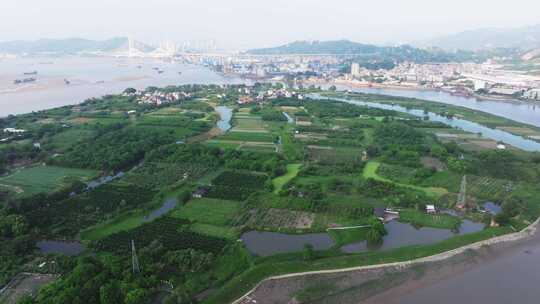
(63, 247)
(492, 208)
(404, 234)
(225, 115)
(269, 243)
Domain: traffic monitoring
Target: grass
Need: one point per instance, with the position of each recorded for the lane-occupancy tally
(279, 182)
(419, 218)
(122, 223)
(208, 211)
(213, 230)
(348, 236)
(248, 136)
(370, 171)
(64, 140)
(223, 144)
(40, 179)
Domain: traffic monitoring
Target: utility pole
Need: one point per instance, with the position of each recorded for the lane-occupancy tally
(462, 197)
(134, 259)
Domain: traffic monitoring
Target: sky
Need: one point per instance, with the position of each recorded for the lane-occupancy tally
(240, 24)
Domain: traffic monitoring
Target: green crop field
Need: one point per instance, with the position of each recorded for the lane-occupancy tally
(370, 171)
(248, 136)
(279, 182)
(208, 211)
(39, 179)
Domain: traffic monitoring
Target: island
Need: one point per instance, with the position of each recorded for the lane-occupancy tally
(198, 193)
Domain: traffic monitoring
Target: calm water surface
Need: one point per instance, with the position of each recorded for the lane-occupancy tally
(225, 116)
(524, 112)
(511, 277)
(269, 243)
(399, 235)
(469, 126)
(62, 247)
(403, 234)
(89, 77)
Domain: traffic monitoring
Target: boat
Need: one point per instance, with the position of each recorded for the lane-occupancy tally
(31, 73)
(25, 80)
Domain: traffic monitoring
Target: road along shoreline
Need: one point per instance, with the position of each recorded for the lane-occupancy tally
(525, 233)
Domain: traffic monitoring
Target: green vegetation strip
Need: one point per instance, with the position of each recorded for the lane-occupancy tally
(419, 218)
(370, 171)
(279, 182)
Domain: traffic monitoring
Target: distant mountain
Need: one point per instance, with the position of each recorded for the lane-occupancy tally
(524, 38)
(69, 46)
(365, 52)
(319, 47)
(530, 55)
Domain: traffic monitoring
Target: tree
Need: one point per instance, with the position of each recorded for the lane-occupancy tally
(376, 232)
(332, 88)
(457, 165)
(110, 293)
(502, 219)
(137, 296)
(130, 91)
(309, 253)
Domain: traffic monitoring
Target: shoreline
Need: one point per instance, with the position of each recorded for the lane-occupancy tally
(378, 86)
(523, 234)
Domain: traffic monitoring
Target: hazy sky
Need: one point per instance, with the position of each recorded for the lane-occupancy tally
(255, 23)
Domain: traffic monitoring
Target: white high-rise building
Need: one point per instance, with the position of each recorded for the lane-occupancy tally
(355, 69)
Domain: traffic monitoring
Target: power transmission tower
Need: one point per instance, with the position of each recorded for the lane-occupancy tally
(134, 259)
(462, 197)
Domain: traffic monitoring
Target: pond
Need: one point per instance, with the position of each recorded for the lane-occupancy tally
(225, 115)
(399, 235)
(70, 248)
(469, 126)
(404, 234)
(492, 208)
(269, 243)
(167, 206)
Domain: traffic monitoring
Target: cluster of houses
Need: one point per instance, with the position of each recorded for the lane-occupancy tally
(158, 97)
(10, 132)
(251, 97)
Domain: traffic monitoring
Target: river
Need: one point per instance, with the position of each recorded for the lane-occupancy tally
(469, 126)
(509, 275)
(524, 112)
(89, 77)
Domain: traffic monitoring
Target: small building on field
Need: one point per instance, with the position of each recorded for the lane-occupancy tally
(430, 209)
(200, 192)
